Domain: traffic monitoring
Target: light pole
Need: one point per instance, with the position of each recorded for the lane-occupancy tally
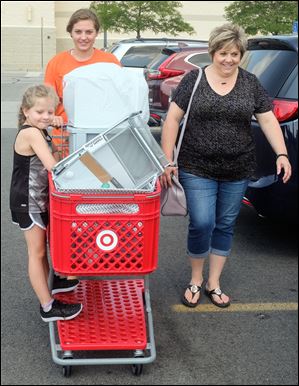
(42, 43)
(105, 39)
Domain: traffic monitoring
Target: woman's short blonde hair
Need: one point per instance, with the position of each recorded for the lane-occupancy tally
(226, 35)
(83, 14)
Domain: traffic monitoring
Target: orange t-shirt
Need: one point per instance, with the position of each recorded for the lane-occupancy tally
(62, 64)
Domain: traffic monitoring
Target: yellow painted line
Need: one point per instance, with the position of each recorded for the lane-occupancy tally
(249, 307)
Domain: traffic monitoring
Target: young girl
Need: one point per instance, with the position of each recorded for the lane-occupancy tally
(29, 197)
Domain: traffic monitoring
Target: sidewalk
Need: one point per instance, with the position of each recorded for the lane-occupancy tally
(21, 74)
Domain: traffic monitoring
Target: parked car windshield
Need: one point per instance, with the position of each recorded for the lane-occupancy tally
(159, 59)
(113, 48)
(200, 59)
(140, 56)
(268, 65)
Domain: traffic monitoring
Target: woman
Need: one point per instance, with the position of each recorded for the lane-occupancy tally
(83, 27)
(217, 157)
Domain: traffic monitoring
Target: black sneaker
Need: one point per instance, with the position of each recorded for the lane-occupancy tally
(63, 285)
(61, 311)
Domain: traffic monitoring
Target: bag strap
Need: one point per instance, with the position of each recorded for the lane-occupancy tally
(178, 147)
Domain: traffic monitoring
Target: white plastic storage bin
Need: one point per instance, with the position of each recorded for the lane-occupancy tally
(100, 95)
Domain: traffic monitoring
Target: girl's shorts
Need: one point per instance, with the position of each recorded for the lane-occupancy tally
(27, 220)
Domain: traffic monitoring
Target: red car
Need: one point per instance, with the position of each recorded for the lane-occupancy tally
(165, 73)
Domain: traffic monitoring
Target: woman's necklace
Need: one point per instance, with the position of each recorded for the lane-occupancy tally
(229, 80)
(226, 81)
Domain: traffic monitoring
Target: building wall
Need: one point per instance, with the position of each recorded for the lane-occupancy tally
(28, 35)
(202, 15)
(34, 31)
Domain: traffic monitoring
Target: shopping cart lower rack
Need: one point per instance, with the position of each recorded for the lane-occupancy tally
(116, 237)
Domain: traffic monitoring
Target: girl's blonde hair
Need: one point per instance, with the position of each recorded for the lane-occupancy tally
(31, 95)
(83, 14)
(226, 35)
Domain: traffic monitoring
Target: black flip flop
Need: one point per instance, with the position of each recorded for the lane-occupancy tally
(218, 292)
(194, 289)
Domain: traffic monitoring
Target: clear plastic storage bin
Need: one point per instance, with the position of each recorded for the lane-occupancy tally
(125, 157)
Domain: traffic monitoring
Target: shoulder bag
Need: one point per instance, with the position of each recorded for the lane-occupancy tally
(173, 199)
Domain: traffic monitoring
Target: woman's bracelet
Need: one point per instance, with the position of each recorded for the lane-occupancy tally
(172, 165)
(282, 155)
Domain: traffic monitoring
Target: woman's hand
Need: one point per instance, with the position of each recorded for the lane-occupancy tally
(169, 134)
(165, 179)
(272, 130)
(282, 162)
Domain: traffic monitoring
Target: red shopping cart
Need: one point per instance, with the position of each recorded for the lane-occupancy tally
(60, 136)
(111, 235)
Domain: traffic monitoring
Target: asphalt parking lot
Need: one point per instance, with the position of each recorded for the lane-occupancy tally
(253, 342)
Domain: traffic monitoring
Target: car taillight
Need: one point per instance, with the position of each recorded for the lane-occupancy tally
(285, 110)
(155, 116)
(163, 72)
(245, 201)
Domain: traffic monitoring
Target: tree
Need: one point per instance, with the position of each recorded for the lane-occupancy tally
(108, 13)
(139, 16)
(275, 17)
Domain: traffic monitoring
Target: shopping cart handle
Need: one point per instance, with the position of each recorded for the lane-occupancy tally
(58, 169)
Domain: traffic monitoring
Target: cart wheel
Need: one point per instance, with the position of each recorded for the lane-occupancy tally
(67, 371)
(137, 369)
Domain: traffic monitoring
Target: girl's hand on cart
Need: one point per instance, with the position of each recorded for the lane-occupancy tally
(165, 179)
(57, 121)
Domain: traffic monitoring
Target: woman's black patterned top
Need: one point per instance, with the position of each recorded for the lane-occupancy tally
(218, 142)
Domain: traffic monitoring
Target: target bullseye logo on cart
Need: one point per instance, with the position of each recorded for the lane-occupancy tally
(107, 240)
